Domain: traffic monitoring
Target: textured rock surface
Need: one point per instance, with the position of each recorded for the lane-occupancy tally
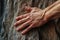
(13, 8)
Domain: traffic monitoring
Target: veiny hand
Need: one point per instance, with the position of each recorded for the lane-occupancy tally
(33, 19)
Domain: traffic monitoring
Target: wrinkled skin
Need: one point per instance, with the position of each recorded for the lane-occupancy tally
(36, 18)
(33, 19)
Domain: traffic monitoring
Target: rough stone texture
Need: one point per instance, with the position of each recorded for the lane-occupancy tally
(13, 8)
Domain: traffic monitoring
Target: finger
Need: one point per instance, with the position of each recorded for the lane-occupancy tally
(21, 21)
(27, 29)
(28, 9)
(22, 16)
(24, 25)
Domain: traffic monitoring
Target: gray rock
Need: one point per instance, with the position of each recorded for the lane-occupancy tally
(13, 8)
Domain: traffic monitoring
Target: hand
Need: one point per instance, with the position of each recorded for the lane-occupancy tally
(33, 19)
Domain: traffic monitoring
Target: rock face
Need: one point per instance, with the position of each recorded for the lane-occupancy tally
(13, 8)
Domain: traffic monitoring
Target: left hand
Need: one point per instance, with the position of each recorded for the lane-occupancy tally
(30, 20)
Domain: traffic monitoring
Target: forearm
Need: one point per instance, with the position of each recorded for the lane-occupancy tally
(53, 11)
(51, 6)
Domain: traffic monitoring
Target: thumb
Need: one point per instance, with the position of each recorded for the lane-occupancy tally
(28, 9)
